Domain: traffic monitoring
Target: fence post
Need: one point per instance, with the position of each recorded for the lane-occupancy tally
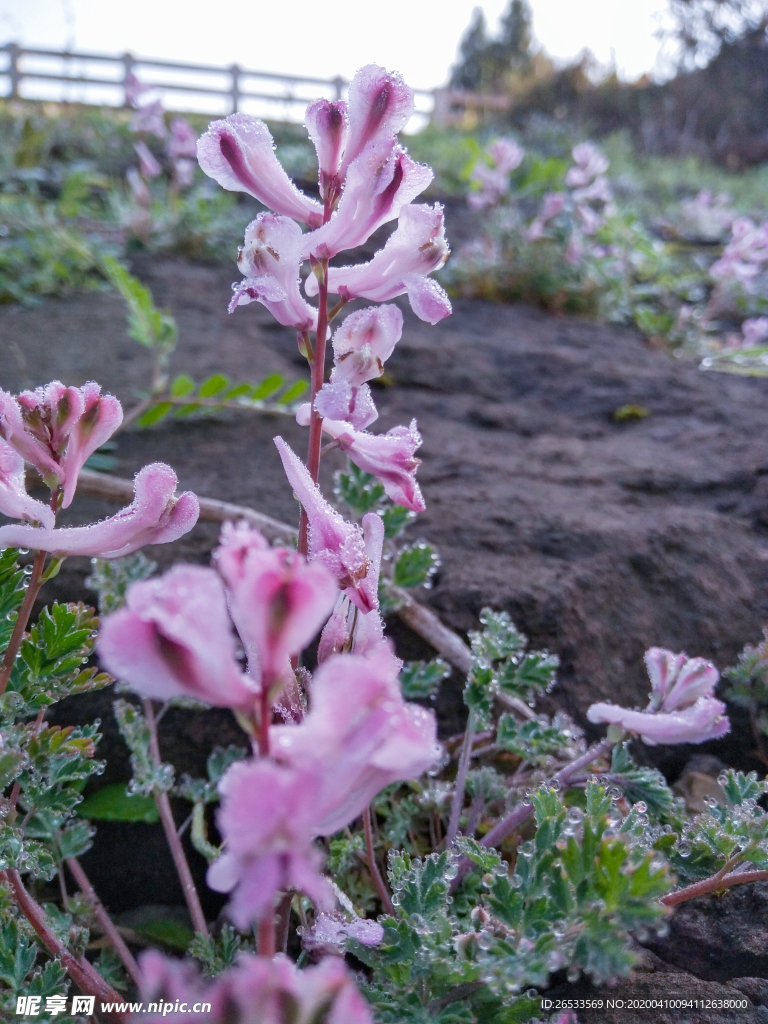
(14, 52)
(338, 85)
(128, 63)
(235, 70)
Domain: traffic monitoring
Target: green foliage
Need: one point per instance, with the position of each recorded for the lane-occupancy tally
(361, 492)
(148, 778)
(110, 578)
(640, 784)
(114, 803)
(216, 954)
(420, 680)
(536, 740)
(415, 565)
(151, 327)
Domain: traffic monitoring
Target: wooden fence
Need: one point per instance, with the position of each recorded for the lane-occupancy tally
(100, 79)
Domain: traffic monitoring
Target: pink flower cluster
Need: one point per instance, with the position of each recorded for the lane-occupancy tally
(254, 991)
(682, 707)
(180, 146)
(586, 202)
(55, 429)
(505, 156)
(317, 772)
(745, 256)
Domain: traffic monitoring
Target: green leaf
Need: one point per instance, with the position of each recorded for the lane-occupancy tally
(360, 491)
(154, 415)
(146, 324)
(294, 392)
(415, 565)
(267, 387)
(10, 766)
(420, 680)
(114, 803)
(213, 386)
(17, 954)
(499, 639)
(396, 518)
(182, 386)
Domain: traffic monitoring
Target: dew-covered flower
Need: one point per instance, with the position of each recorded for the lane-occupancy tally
(380, 105)
(56, 429)
(255, 990)
(695, 723)
(278, 601)
(239, 153)
(358, 737)
(269, 261)
(390, 457)
(157, 515)
(364, 342)
(338, 544)
(415, 249)
(329, 934)
(14, 500)
(340, 400)
(173, 639)
(328, 125)
(268, 816)
(677, 680)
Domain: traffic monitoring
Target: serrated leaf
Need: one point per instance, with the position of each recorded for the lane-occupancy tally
(114, 803)
(420, 680)
(415, 565)
(359, 490)
(396, 518)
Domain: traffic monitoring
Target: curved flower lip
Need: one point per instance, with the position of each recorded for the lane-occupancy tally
(704, 720)
(14, 500)
(173, 638)
(677, 680)
(338, 400)
(380, 183)
(155, 516)
(339, 545)
(363, 343)
(415, 249)
(328, 126)
(239, 153)
(390, 457)
(270, 260)
(380, 105)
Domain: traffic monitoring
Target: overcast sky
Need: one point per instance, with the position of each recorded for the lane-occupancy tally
(417, 37)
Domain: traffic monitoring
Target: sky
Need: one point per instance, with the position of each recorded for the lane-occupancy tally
(416, 37)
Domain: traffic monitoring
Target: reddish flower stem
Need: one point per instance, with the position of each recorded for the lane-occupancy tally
(106, 922)
(373, 867)
(35, 583)
(461, 783)
(265, 938)
(712, 884)
(171, 835)
(83, 973)
(318, 379)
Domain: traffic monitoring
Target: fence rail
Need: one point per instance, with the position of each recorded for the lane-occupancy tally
(101, 79)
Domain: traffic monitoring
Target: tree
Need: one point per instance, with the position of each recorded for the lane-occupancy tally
(486, 63)
(701, 27)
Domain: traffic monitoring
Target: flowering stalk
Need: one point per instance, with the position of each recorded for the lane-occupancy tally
(315, 442)
(171, 834)
(373, 867)
(715, 883)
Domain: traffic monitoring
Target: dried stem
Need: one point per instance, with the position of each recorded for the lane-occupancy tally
(373, 867)
(712, 884)
(33, 589)
(106, 922)
(172, 836)
(83, 973)
(461, 782)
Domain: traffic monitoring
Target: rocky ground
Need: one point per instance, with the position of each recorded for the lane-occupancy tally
(599, 537)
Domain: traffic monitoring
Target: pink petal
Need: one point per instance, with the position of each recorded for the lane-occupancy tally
(14, 500)
(380, 106)
(328, 124)
(148, 166)
(239, 154)
(428, 300)
(704, 720)
(364, 342)
(156, 516)
(338, 400)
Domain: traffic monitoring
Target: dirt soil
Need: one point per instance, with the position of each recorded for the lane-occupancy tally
(600, 538)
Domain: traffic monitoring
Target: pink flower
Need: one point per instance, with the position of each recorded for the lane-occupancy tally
(173, 639)
(155, 516)
(390, 457)
(696, 723)
(678, 681)
(56, 429)
(183, 140)
(339, 545)
(267, 819)
(278, 601)
(256, 990)
(380, 106)
(148, 166)
(414, 249)
(380, 182)
(330, 932)
(506, 154)
(358, 737)
(328, 125)
(14, 500)
(338, 400)
(755, 331)
(133, 89)
(150, 119)
(138, 186)
(552, 205)
(348, 630)
(590, 163)
(364, 342)
(239, 154)
(270, 260)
